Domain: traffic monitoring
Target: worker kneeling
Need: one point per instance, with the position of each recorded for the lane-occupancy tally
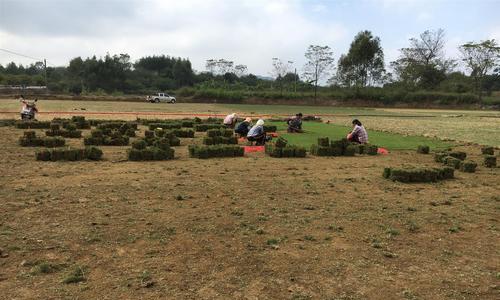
(358, 133)
(244, 127)
(295, 124)
(257, 134)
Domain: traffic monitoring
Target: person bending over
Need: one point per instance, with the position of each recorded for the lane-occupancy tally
(230, 120)
(295, 124)
(243, 128)
(257, 133)
(358, 133)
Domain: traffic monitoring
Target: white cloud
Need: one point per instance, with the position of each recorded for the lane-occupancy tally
(248, 32)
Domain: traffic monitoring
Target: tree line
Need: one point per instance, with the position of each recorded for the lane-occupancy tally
(422, 66)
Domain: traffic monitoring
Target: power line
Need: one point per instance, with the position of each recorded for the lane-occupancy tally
(26, 56)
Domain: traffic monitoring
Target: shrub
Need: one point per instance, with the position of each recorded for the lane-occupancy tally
(488, 150)
(423, 149)
(468, 166)
(490, 161)
(69, 154)
(203, 152)
(418, 174)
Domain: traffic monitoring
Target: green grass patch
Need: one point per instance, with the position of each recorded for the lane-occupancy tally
(391, 141)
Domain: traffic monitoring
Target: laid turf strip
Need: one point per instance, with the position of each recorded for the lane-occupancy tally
(391, 141)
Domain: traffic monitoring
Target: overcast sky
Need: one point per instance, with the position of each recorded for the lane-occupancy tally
(249, 32)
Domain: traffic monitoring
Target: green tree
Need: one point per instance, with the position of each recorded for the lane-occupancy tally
(423, 64)
(480, 58)
(364, 63)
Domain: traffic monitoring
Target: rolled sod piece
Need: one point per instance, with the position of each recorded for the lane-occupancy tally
(43, 155)
(281, 142)
(423, 149)
(360, 149)
(300, 151)
(438, 157)
(139, 144)
(490, 161)
(468, 166)
(149, 133)
(458, 154)
(487, 150)
(93, 153)
(324, 142)
(29, 134)
(371, 149)
(350, 150)
(451, 161)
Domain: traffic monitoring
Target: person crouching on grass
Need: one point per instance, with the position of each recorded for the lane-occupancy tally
(358, 133)
(257, 134)
(230, 120)
(295, 124)
(243, 128)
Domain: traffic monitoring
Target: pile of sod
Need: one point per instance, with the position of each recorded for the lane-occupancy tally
(69, 131)
(341, 148)
(210, 151)
(183, 133)
(69, 154)
(207, 126)
(29, 139)
(106, 137)
(33, 124)
(151, 149)
(456, 160)
(220, 136)
(423, 149)
(418, 174)
(78, 122)
(151, 136)
(280, 148)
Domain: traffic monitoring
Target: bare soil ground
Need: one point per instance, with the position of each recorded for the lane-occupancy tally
(243, 228)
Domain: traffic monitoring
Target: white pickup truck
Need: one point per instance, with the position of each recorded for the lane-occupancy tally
(161, 97)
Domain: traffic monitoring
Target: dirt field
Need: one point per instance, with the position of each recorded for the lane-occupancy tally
(243, 228)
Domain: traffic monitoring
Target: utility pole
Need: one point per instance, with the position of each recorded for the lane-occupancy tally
(45, 73)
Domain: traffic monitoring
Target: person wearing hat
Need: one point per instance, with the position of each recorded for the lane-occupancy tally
(358, 133)
(243, 128)
(257, 133)
(295, 124)
(230, 120)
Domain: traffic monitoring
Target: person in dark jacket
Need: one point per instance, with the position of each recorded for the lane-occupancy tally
(243, 128)
(295, 124)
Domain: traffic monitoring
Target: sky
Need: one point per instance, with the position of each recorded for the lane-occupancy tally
(249, 32)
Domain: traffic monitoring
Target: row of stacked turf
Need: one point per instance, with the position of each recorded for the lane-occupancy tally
(341, 147)
(418, 174)
(69, 154)
(111, 134)
(30, 139)
(156, 145)
(220, 136)
(280, 148)
(456, 159)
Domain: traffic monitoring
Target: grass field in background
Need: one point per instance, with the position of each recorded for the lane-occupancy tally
(391, 141)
